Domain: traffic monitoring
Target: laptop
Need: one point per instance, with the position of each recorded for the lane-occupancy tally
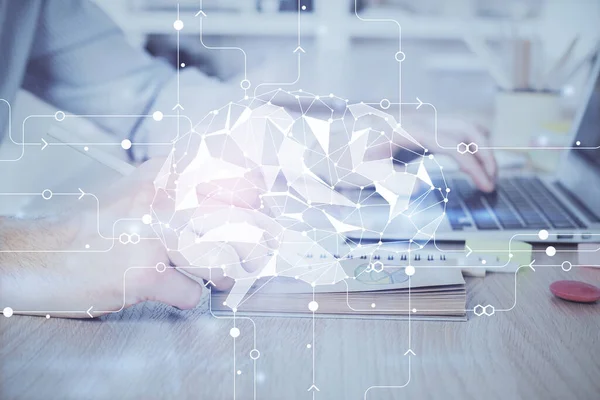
(567, 205)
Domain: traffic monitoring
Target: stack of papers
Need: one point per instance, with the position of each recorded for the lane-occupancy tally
(372, 289)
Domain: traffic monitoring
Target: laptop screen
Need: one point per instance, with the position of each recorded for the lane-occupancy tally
(579, 171)
(588, 132)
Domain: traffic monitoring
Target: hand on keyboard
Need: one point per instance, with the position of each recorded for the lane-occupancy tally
(480, 166)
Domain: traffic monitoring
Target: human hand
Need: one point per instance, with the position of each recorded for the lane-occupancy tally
(100, 258)
(480, 166)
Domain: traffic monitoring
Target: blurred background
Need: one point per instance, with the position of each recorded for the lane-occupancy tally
(354, 58)
(515, 66)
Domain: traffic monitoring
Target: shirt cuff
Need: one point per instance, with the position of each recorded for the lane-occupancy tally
(198, 95)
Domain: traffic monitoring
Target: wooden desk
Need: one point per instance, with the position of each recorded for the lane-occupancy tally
(544, 348)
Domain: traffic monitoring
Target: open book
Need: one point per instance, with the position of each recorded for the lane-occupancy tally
(372, 289)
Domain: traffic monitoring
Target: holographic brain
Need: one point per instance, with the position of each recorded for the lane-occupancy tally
(290, 184)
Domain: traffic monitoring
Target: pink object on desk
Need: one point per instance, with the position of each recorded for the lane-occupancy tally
(580, 292)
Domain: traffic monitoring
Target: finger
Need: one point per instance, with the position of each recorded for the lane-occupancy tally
(143, 176)
(483, 129)
(134, 193)
(488, 161)
(175, 289)
(485, 157)
(206, 260)
(469, 164)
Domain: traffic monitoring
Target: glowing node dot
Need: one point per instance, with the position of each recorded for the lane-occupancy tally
(234, 332)
(399, 56)
(578, 143)
(239, 372)
(313, 306)
(47, 316)
(414, 310)
(245, 84)
(157, 116)
(147, 219)
(409, 270)
(303, 8)
(178, 25)
(372, 305)
(8, 312)
(126, 144)
(308, 346)
(47, 194)
(254, 354)
(182, 65)
(550, 251)
(161, 267)
(86, 148)
(59, 116)
(543, 234)
(87, 246)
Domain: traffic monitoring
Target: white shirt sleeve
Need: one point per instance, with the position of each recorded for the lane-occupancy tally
(82, 63)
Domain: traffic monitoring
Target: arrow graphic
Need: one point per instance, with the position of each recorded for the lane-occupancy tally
(45, 144)
(89, 312)
(178, 106)
(313, 387)
(420, 103)
(470, 250)
(409, 351)
(299, 48)
(82, 194)
(209, 283)
(531, 265)
(200, 13)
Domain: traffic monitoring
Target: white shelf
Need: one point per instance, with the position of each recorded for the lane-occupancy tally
(285, 24)
(219, 23)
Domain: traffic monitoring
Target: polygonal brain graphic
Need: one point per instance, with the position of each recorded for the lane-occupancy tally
(287, 175)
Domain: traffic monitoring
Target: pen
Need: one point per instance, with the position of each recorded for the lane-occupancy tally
(101, 157)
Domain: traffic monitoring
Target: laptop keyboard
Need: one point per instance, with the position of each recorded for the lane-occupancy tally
(517, 203)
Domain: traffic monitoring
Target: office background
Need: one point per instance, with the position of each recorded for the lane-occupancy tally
(345, 55)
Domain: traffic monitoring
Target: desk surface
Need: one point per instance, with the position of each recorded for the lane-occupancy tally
(544, 348)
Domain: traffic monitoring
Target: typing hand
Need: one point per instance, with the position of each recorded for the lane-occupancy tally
(480, 166)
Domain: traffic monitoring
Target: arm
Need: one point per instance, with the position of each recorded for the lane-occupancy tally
(82, 64)
(63, 266)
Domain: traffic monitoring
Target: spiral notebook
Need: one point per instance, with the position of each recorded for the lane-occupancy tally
(436, 292)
